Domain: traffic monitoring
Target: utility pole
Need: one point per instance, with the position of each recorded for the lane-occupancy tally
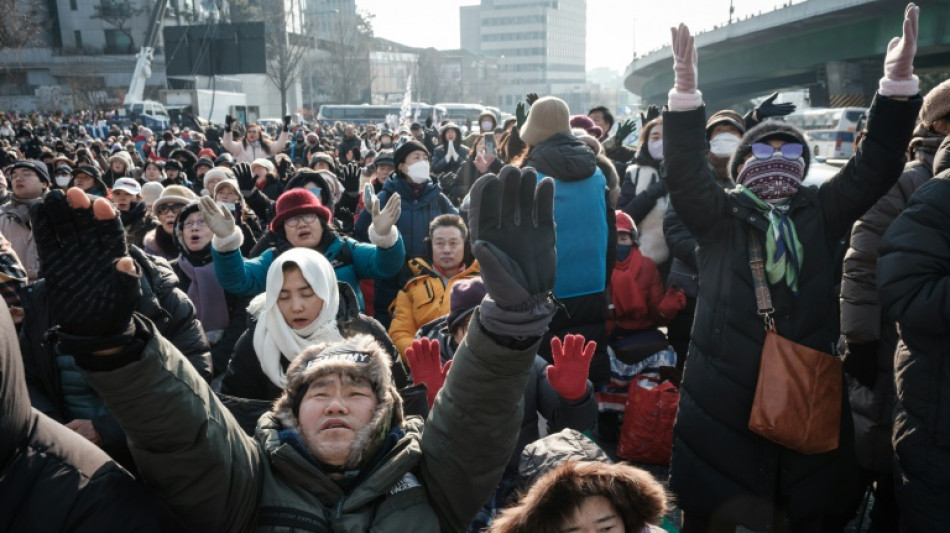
(732, 10)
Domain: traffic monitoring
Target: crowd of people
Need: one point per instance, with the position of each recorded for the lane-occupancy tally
(338, 327)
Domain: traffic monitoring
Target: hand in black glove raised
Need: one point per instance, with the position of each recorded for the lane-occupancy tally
(532, 98)
(521, 113)
(92, 283)
(350, 177)
(245, 178)
(624, 129)
(652, 113)
(228, 122)
(512, 231)
(768, 108)
(286, 122)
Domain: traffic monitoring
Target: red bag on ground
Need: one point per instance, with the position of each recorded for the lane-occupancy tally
(646, 435)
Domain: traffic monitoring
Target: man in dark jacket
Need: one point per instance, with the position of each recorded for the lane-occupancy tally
(51, 479)
(722, 473)
(57, 387)
(335, 452)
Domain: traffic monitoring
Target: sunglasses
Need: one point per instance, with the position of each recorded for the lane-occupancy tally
(164, 208)
(790, 151)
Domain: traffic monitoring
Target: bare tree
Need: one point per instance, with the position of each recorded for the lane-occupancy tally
(118, 13)
(285, 52)
(434, 82)
(345, 75)
(20, 24)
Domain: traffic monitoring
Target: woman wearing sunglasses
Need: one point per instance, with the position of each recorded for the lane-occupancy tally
(723, 474)
(160, 241)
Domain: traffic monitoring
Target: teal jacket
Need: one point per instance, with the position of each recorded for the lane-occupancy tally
(248, 277)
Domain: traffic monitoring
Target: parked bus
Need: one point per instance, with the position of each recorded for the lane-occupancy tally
(362, 114)
(830, 132)
(464, 115)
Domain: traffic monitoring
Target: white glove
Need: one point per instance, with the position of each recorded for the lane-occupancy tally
(227, 237)
(684, 95)
(899, 78)
(384, 221)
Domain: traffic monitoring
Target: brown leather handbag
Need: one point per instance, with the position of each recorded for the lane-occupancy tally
(798, 396)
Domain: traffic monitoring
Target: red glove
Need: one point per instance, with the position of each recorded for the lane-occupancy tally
(568, 374)
(673, 302)
(426, 366)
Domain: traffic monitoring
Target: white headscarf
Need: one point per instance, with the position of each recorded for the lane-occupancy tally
(274, 338)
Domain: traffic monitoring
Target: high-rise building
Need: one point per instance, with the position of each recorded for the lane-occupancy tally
(541, 46)
(322, 15)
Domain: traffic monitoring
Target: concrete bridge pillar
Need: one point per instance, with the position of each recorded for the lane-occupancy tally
(843, 84)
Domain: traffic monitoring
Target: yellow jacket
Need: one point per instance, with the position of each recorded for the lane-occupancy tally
(423, 299)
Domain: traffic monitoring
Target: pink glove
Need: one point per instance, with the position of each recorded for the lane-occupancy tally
(568, 374)
(899, 79)
(426, 366)
(684, 60)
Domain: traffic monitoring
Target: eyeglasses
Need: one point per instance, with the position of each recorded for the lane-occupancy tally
(164, 208)
(293, 222)
(790, 151)
(195, 224)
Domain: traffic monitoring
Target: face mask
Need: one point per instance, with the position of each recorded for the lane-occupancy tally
(62, 181)
(486, 125)
(773, 180)
(723, 144)
(231, 207)
(623, 251)
(656, 149)
(419, 172)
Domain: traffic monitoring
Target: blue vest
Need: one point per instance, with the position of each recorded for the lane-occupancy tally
(580, 217)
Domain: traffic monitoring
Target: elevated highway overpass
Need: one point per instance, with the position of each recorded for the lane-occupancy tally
(834, 48)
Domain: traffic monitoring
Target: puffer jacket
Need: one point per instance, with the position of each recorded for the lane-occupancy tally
(16, 227)
(247, 153)
(424, 298)
(245, 378)
(912, 276)
(719, 467)
(162, 302)
(52, 478)
(862, 320)
(266, 484)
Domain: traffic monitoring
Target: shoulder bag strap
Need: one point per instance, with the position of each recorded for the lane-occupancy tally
(763, 297)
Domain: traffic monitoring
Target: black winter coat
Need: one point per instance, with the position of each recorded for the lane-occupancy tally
(51, 478)
(245, 378)
(719, 467)
(167, 306)
(913, 275)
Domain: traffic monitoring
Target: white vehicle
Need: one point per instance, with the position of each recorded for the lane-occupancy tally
(830, 132)
(362, 114)
(464, 115)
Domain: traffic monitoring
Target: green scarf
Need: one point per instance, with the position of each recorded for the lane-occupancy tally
(782, 248)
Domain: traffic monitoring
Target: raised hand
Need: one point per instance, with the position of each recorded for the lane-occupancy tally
(385, 219)
(512, 232)
(899, 61)
(425, 363)
(228, 122)
(217, 217)
(768, 108)
(684, 60)
(521, 113)
(624, 129)
(350, 177)
(245, 178)
(92, 283)
(568, 374)
(652, 113)
(286, 122)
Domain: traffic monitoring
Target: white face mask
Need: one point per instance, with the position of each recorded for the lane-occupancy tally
(723, 144)
(656, 149)
(62, 181)
(419, 172)
(486, 126)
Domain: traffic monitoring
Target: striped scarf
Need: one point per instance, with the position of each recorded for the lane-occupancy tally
(783, 249)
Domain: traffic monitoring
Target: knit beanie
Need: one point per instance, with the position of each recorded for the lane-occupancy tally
(206, 153)
(466, 295)
(151, 191)
(173, 164)
(768, 130)
(936, 104)
(726, 116)
(224, 159)
(217, 172)
(408, 147)
(261, 162)
(324, 157)
(203, 162)
(360, 356)
(548, 116)
(36, 166)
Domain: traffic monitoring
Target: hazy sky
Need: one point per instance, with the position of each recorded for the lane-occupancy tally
(612, 25)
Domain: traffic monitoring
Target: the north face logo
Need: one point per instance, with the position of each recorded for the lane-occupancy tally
(407, 482)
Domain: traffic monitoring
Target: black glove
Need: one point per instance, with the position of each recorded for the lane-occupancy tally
(286, 122)
(512, 232)
(860, 362)
(228, 121)
(657, 189)
(285, 167)
(350, 177)
(245, 178)
(624, 129)
(521, 113)
(652, 113)
(769, 109)
(531, 98)
(88, 297)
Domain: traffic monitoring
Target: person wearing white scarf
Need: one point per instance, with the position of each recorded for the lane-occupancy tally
(274, 339)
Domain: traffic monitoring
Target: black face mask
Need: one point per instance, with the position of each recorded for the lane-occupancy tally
(623, 251)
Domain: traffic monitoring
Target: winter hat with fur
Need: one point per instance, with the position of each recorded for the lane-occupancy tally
(548, 116)
(223, 173)
(123, 156)
(766, 131)
(936, 104)
(358, 356)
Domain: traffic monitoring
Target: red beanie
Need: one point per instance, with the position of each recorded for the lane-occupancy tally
(298, 202)
(625, 224)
